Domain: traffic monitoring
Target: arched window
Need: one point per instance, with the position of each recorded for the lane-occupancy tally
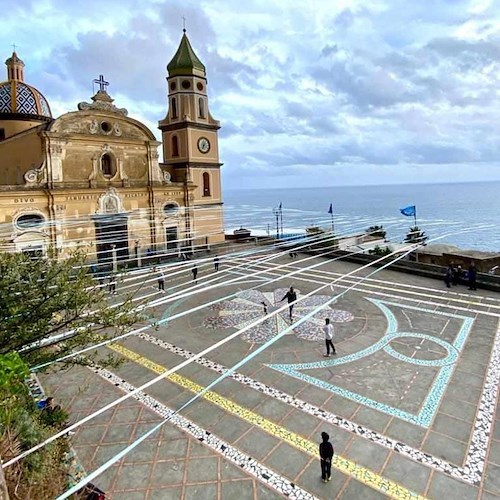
(174, 107)
(175, 146)
(206, 184)
(201, 107)
(107, 166)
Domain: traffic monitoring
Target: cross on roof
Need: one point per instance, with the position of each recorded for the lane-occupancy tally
(184, 24)
(14, 46)
(102, 83)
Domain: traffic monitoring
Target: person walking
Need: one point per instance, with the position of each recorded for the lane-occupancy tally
(291, 296)
(216, 263)
(161, 281)
(326, 455)
(195, 273)
(264, 305)
(471, 276)
(328, 330)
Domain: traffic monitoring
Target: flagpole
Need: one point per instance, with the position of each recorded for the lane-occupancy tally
(415, 215)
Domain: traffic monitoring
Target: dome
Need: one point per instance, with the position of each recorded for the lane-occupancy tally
(17, 97)
(20, 98)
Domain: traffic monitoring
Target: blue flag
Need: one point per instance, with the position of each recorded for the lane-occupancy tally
(330, 210)
(279, 206)
(409, 211)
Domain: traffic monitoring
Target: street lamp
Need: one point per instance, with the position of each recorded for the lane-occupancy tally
(277, 212)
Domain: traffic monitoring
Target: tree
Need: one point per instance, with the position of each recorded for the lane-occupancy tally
(379, 251)
(415, 235)
(41, 298)
(377, 231)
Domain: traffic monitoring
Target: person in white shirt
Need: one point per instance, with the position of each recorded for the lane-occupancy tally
(328, 329)
(161, 280)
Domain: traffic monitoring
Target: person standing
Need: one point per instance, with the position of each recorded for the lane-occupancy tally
(448, 277)
(328, 330)
(161, 281)
(195, 273)
(471, 276)
(326, 455)
(216, 263)
(291, 296)
(264, 305)
(458, 275)
(112, 284)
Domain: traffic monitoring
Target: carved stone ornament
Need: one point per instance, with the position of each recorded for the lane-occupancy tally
(94, 127)
(110, 203)
(31, 177)
(117, 129)
(106, 148)
(102, 102)
(167, 178)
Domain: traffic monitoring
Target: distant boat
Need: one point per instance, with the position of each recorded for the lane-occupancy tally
(242, 232)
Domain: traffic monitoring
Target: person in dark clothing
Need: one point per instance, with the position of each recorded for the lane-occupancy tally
(457, 276)
(216, 263)
(471, 276)
(291, 296)
(448, 277)
(326, 454)
(195, 273)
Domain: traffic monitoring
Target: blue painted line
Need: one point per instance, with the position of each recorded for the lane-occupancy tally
(446, 364)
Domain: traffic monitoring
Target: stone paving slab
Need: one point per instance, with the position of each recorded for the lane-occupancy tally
(174, 465)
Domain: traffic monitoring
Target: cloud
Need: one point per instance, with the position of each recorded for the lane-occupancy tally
(324, 92)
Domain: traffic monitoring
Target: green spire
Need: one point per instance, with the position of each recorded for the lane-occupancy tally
(184, 60)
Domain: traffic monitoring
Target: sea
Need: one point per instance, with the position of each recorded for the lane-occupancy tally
(465, 215)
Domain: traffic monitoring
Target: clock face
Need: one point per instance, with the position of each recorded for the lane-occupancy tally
(203, 145)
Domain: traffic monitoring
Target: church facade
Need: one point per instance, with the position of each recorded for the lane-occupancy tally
(92, 179)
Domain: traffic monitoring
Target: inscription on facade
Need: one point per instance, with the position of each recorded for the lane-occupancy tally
(24, 200)
(81, 197)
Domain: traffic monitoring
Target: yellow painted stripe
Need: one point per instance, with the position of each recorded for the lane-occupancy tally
(344, 465)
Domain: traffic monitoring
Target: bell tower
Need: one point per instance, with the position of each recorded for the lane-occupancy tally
(190, 144)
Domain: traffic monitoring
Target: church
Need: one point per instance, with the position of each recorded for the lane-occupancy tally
(92, 178)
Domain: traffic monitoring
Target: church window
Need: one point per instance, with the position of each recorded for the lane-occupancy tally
(206, 184)
(199, 86)
(106, 127)
(173, 86)
(186, 84)
(201, 106)
(170, 209)
(107, 166)
(2, 134)
(29, 221)
(174, 107)
(175, 146)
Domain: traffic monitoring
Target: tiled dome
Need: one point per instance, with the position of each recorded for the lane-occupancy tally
(19, 97)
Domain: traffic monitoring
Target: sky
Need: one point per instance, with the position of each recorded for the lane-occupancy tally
(309, 93)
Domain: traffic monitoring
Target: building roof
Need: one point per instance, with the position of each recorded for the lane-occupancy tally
(438, 249)
(184, 60)
(19, 98)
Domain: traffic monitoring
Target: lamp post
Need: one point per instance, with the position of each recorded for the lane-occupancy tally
(276, 212)
(138, 253)
(114, 258)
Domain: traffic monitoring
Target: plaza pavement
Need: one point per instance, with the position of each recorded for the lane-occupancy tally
(409, 400)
